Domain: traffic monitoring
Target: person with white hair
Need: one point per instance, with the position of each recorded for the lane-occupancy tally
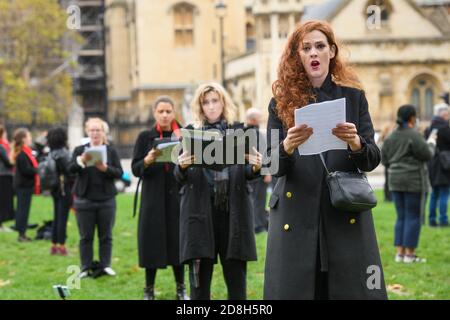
(95, 199)
(439, 176)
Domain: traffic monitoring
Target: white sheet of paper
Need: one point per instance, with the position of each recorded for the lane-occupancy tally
(166, 151)
(97, 154)
(322, 117)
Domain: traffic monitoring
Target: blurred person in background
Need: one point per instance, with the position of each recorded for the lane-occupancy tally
(258, 185)
(26, 179)
(61, 194)
(6, 182)
(405, 153)
(95, 200)
(439, 176)
(387, 130)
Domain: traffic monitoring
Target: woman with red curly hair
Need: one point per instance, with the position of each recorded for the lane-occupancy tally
(315, 251)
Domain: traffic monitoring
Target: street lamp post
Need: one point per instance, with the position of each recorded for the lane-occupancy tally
(221, 11)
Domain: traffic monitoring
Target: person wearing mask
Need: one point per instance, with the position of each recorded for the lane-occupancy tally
(215, 210)
(439, 176)
(6, 182)
(314, 250)
(405, 152)
(26, 179)
(61, 194)
(95, 202)
(159, 214)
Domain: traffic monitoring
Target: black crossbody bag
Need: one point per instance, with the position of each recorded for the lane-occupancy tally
(349, 191)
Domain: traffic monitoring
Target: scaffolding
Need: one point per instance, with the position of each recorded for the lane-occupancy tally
(90, 78)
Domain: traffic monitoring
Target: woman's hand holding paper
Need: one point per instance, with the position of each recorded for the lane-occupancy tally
(295, 137)
(348, 133)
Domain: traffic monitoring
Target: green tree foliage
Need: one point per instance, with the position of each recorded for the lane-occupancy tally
(31, 37)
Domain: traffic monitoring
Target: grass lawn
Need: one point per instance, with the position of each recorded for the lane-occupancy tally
(27, 271)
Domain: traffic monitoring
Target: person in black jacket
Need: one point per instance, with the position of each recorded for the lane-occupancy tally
(259, 185)
(216, 217)
(61, 194)
(6, 181)
(159, 215)
(95, 202)
(26, 179)
(439, 177)
(315, 251)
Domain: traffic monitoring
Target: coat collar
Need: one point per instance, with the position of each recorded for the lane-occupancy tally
(327, 85)
(155, 134)
(326, 91)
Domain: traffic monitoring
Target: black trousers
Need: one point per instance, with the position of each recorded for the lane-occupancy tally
(150, 275)
(234, 271)
(93, 215)
(61, 207)
(24, 197)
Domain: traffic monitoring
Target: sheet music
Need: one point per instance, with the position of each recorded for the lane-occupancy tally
(322, 117)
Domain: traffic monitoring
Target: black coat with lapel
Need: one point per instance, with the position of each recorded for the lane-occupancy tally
(303, 225)
(158, 226)
(196, 226)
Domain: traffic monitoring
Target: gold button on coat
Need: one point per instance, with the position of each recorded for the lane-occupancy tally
(286, 227)
(289, 195)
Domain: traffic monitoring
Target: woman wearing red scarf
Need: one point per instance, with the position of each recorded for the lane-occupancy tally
(6, 181)
(158, 227)
(26, 179)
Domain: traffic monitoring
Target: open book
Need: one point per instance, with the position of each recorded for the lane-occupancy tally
(168, 149)
(214, 150)
(97, 154)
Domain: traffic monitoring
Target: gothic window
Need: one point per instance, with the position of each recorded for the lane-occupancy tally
(423, 95)
(283, 26)
(183, 15)
(250, 36)
(266, 27)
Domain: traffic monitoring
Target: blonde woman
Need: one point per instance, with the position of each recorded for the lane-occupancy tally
(95, 202)
(215, 209)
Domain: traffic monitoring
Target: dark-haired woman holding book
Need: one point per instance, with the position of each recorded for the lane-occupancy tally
(158, 226)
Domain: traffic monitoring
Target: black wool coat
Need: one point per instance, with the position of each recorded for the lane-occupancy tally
(306, 233)
(158, 225)
(196, 226)
(25, 172)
